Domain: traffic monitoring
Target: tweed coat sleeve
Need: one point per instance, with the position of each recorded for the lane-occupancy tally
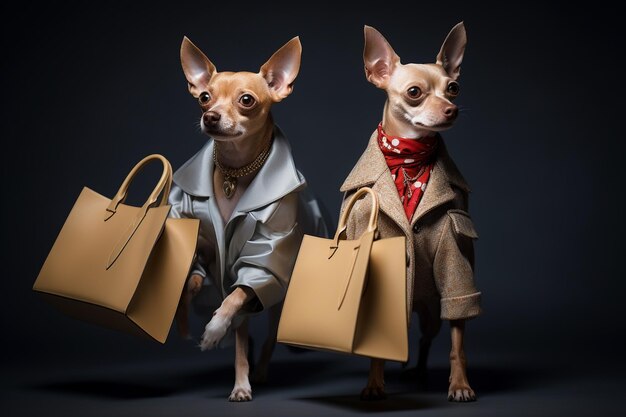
(453, 267)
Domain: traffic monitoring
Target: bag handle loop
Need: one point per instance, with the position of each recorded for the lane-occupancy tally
(163, 186)
(373, 220)
(343, 221)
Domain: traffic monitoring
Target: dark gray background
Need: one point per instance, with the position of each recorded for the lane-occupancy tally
(89, 90)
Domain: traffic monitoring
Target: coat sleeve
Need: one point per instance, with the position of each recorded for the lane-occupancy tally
(267, 259)
(182, 208)
(454, 267)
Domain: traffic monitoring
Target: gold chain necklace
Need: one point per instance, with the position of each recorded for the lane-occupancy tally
(231, 174)
(407, 181)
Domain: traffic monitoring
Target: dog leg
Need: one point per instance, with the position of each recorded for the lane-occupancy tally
(242, 391)
(430, 324)
(459, 389)
(375, 389)
(216, 329)
(273, 317)
(194, 284)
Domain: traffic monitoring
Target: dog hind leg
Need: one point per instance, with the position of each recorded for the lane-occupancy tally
(242, 391)
(375, 389)
(430, 325)
(262, 366)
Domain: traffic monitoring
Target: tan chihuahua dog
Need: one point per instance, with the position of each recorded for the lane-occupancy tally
(439, 233)
(236, 114)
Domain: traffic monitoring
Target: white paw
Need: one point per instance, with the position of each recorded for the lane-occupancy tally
(214, 331)
(241, 392)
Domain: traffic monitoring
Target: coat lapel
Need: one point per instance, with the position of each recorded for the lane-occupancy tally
(371, 170)
(439, 190)
(277, 177)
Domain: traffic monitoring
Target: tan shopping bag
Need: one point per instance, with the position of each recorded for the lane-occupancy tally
(120, 266)
(349, 295)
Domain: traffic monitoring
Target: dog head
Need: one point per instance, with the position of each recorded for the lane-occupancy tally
(237, 104)
(419, 95)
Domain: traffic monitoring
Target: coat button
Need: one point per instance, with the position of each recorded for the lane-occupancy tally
(416, 228)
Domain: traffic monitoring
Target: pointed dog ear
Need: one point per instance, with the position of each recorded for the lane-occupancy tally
(281, 70)
(379, 57)
(196, 66)
(451, 54)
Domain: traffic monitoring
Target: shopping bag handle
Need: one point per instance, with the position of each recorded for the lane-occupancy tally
(341, 229)
(163, 186)
(373, 220)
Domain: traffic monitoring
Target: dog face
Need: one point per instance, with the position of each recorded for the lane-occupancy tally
(419, 95)
(237, 104)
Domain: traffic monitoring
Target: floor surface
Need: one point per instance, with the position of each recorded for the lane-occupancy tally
(303, 384)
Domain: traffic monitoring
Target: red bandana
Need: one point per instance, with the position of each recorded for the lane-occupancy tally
(410, 163)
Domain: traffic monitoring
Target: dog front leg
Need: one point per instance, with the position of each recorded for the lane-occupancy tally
(242, 391)
(273, 317)
(216, 329)
(375, 389)
(459, 389)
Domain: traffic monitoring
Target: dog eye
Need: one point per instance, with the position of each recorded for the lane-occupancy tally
(453, 88)
(204, 98)
(414, 92)
(247, 100)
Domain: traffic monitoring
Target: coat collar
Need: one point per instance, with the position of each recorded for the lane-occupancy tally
(277, 177)
(370, 170)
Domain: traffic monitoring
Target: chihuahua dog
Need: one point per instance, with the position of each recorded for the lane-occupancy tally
(423, 196)
(244, 188)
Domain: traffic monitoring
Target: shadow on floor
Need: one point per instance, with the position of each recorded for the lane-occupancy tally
(403, 393)
(394, 402)
(151, 384)
(121, 390)
(484, 380)
(150, 381)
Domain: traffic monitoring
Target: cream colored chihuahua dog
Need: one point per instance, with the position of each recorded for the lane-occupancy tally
(247, 193)
(423, 196)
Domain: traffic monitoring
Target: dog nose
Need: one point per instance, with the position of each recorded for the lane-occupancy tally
(450, 111)
(211, 117)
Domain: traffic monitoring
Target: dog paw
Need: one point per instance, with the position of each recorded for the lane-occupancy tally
(194, 285)
(373, 393)
(241, 393)
(461, 393)
(214, 331)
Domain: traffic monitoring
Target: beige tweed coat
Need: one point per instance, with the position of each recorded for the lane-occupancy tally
(439, 237)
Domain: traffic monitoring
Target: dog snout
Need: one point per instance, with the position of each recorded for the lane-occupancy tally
(450, 112)
(211, 118)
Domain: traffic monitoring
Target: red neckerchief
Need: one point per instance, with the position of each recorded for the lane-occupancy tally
(410, 162)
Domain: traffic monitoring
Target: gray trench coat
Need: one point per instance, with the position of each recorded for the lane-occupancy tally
(258, 245)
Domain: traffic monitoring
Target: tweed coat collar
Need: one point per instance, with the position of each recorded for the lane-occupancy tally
(371, 170)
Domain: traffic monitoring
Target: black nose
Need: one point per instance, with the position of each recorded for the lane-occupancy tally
(450, 111)
(211, 117)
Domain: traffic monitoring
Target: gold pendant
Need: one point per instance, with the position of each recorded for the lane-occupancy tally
(230, 183)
